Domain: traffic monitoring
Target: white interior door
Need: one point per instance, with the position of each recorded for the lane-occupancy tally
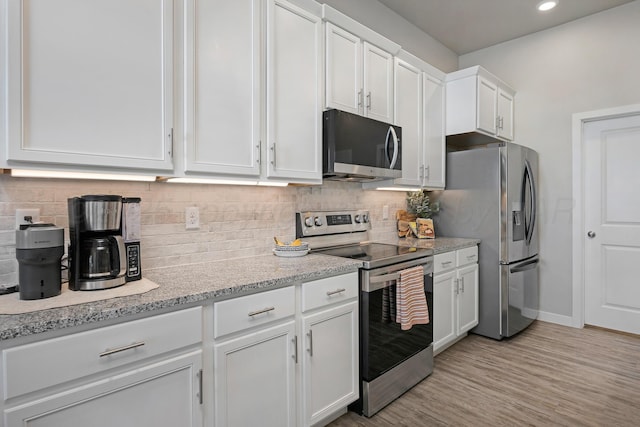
(611, 236)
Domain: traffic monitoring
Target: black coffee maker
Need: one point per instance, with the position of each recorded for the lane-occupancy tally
(97, 257)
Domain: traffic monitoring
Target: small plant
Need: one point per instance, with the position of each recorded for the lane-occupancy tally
(419, 205)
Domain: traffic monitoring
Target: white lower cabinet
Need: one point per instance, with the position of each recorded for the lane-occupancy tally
(254, 377)
(146, 372)
(287, 357)
(455, 296)
(254, 359)
(330, 351)
(160, 394)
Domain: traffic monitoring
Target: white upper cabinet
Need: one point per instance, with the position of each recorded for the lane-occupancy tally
(408, 115)
(223, 87)
(378, 83)
(251, 115)
(419, 96)
(478, 101)
(435, 155)
(505, 113)
(89, 83)
(344, 70)
(294, 93)
(359, 68)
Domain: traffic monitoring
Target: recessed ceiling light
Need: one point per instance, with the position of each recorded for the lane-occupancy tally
(545, 5)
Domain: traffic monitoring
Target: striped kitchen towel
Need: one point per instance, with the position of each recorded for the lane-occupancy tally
(411, 300)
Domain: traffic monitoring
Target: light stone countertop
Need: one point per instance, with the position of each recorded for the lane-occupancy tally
(201, 283)
(184, 285)
(438, 245)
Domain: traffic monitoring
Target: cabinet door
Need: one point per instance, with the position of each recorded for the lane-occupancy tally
(294, 113)
(487, 104)
(378, 83)
(505, 112)
(444, 309)
(254, 378)
(467, 298)
(330, 362)
(408, 115)
(223, 72)
(434, 128)
(165, 393)
(90, 83)
(344, 70)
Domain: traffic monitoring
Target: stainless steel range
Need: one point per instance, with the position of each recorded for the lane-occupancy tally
(392, 360)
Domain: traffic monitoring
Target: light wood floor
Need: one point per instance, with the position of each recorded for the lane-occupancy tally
(547, 375)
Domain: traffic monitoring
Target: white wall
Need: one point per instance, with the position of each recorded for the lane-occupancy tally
(585, 65)
(386, 22)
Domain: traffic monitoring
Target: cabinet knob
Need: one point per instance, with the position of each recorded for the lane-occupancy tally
(591, 234)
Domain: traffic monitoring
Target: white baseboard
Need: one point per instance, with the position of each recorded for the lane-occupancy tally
(556, 318)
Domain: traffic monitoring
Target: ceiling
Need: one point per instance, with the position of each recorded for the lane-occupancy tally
(468, 25)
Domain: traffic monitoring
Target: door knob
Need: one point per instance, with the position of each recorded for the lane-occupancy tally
(591, 234)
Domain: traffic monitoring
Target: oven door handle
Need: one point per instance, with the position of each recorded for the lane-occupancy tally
(384, 278)
(380, 282)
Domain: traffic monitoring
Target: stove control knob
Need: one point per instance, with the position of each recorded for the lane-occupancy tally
(308, 221)
(365, 218)
(358, 219)
(317, 221)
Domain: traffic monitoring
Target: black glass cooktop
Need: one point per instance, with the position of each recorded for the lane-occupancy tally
(375, 255)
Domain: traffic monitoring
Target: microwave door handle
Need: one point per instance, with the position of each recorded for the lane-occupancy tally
(394, 159)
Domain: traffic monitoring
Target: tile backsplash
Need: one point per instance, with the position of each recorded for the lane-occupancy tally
(235, 221)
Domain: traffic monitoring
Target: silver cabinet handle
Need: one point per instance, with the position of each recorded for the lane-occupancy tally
(273, 156)
(337, 291)
(121, 349)
(200, 386)
(462, 284)
(591, 234)
(310, 335)
(360, 98)
(369, 101)
(264, 310)
(456, 286)
(295, 348)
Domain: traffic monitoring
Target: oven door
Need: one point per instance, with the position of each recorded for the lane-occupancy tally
(384, 344)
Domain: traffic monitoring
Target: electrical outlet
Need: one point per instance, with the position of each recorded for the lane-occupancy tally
(192, 218)
(21, 213)
(385, 212)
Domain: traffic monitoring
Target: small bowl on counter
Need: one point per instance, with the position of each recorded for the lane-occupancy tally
(294, 249)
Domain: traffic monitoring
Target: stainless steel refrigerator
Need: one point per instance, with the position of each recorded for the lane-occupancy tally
(491, 195)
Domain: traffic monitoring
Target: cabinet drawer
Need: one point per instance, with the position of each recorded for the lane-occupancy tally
(252, 310)
(445, 261)
(329, 291)
(42, 364)
(467, 256)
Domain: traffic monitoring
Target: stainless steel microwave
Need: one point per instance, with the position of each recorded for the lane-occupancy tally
(357, 148)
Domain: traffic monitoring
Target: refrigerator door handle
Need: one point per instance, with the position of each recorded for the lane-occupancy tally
(525, 265)
(532, 212)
